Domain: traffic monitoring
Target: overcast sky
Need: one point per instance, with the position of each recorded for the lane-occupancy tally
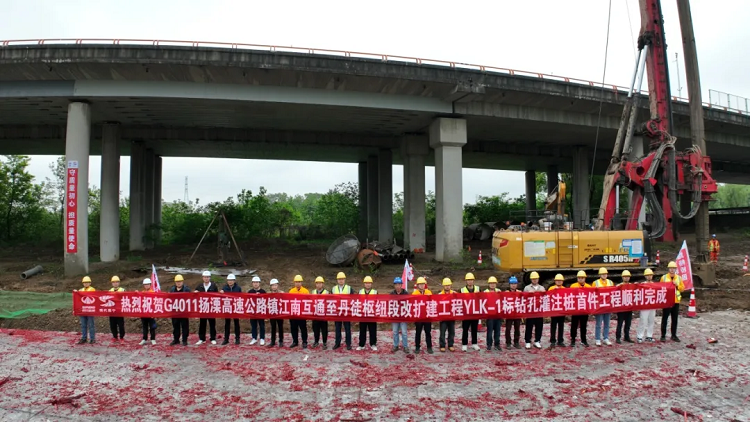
(551, 36)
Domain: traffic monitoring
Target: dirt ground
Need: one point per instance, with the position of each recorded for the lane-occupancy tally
(283, 260)
(47, 377)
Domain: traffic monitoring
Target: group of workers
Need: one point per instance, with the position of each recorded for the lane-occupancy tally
(298, 327)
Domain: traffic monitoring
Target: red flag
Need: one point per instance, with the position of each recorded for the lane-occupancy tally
(684, 269)
(407, 275)
(154, 280)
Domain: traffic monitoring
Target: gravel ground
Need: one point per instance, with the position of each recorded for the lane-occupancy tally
(45, 376)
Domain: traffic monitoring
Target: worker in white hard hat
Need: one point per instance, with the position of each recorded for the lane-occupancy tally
(117, 324)
(624, 319)
(232, 288)
(674, 311)
(277, 324)
(207, 286)
(534, 324)
(601, 331)
(148, 325)
(180, 326)
(341, 288)
(645, 330)
(256, 324)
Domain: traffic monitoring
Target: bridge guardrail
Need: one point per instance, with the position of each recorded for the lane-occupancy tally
(343, 53)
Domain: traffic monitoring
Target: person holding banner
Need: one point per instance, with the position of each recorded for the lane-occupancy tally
(447, 326)
(557, 324)
(579, 321)
(277, 324)
(535, 324)
(469, 325)
(493, 325)
(231, 287)
(256, 324)
(320, 328)
(117, 324)
(422, 326)
(398, 289)
(298, 326)
(148, 325)
(624, 318)
(180, 326)
(646, 321)
(674, 311)
(601, 331)
(515, 323)
(364, 327)
(207, 287)
(87, 322)
(341, 288)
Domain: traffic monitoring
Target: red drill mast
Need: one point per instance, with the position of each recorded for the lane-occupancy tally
(663, 174)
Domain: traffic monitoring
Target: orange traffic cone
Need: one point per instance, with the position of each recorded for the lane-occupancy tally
(691, 306)
(479, 261)
(658, 261)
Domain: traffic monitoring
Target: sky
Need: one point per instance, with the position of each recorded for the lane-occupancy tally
(566, 38)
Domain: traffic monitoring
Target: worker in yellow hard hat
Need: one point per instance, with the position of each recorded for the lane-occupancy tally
(320, 327)
(469, 325)
(422, 290)
(647, 316)
(365, 327)
(298, 325)
(180, 326)
(341, 288)
(116, 324)
(534, 324)
(513, 323)
(579, 321)
(557, 323)
(601, 331)
(624, 318)
(87, 322)
(447, 326)
(493, 324)
(674, 311)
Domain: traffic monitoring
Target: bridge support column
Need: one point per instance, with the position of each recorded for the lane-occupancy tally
(447, 137)
(530, 195)
(109, 232)
(76, 222)
(414, 151)
(362, 184)
(157, 199)
(137, 213)
(385, 195)
(581, 194)
(148, 195)
(372, 197)
(552, 178)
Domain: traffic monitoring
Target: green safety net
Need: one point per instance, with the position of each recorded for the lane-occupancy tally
(24, 304)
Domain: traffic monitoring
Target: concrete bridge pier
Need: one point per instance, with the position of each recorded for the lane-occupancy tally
(362, 184)
(414, 150)
(109, 232)
(581, 193)
(447, 137)
(137, 198)
(148, 197)
(385, 195)
(372, 197)
(76, 222)
(553, 173)
(530, 195)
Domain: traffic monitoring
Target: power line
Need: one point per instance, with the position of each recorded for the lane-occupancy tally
(601, 98)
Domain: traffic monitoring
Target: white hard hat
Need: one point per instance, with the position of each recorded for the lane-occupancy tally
(256, 278)
(146, 281)
(274, 281)
(230, 277)
(206, 273)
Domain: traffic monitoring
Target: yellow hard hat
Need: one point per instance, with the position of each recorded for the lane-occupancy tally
(534, 275)
(447, 282)
(603, 270)
(86, 279)
(492, 279)
(114, 278)
(648, 272)
(421, 280)
(581, 274)
(626, 273)
(559, 277)
(672, 264)
(340, 275)
(469, 276)
(178, 277)
(319, 279)
(298, 278)
(367, 279)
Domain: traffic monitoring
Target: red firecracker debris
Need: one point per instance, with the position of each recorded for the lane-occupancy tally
(66, 400)
(690, 346)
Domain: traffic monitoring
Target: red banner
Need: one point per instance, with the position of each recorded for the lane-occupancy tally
(376, 308)
(71, 208)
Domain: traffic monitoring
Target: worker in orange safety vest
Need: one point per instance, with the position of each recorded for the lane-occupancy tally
(714, 248)
(672, 277)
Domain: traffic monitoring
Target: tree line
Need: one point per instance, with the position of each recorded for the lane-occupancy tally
(31, 212)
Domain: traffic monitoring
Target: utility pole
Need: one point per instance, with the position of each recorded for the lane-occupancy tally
(697, 129)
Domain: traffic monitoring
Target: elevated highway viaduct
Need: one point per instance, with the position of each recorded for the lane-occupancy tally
(152, 100)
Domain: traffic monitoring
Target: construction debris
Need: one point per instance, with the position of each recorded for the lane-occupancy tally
(390, 253)
(368, 258)
(343, 250)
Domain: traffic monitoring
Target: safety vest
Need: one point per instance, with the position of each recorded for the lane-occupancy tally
(426, 292)
(679, 286)
(713, 245)
(316, 292)
(87, 289)
(371, 292)
(119, 289)
(555, 286)
(442, 292)
(301, 291)
(603, 283)
(577, 285)
(338, 290)
(466, 290)
(492, 291)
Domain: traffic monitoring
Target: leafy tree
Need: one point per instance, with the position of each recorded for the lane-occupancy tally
(20, 205)
(732, 196)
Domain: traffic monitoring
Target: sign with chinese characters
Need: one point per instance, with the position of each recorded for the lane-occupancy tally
(377, 308)
(71, 208)
(684, 270)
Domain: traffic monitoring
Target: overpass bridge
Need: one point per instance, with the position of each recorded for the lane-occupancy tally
(151, 99)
